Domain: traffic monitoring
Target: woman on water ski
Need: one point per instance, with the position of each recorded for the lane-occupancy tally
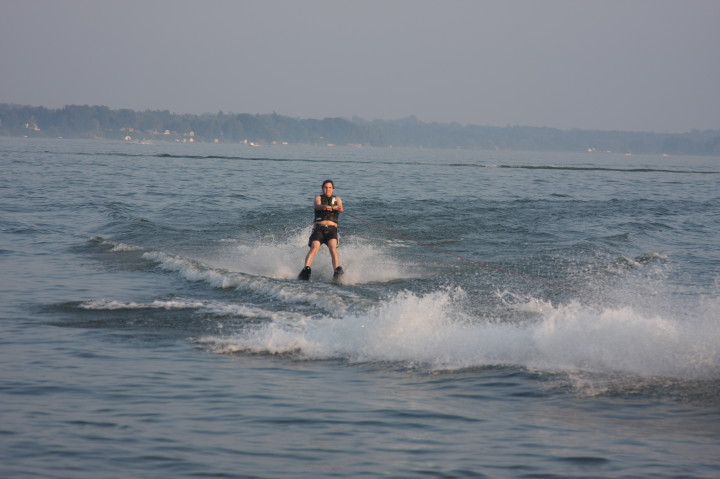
(327, 210)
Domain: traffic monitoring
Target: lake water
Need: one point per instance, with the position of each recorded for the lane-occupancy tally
(504, 314)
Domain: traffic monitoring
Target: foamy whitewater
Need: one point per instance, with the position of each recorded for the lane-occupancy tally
(503, 314)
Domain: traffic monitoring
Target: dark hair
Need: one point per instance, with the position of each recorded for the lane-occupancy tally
(329, 181)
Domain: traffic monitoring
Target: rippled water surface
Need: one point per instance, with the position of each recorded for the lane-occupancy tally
(503, 314)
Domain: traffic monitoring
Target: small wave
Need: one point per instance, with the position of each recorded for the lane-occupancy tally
(127, 305)
(217, 308)
(236, 158)
(586, 168)
(648, 257)
(115, 246)
(444, 241)
(623, 262)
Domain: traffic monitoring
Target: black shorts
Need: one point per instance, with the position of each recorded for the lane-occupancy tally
(323, 234)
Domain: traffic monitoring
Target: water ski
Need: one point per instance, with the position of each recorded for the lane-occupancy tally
(337, 276)
(305, 274)
(306, 271)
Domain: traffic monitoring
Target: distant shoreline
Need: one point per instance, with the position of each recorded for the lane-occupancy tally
(100, 122)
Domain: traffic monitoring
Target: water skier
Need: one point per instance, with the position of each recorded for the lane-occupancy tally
(325, 230)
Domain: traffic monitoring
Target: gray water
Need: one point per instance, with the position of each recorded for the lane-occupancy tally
(504, 314)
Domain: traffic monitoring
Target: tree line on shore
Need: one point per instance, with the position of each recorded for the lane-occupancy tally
(82, 121)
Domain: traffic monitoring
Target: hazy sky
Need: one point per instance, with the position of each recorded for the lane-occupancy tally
(641, 65)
